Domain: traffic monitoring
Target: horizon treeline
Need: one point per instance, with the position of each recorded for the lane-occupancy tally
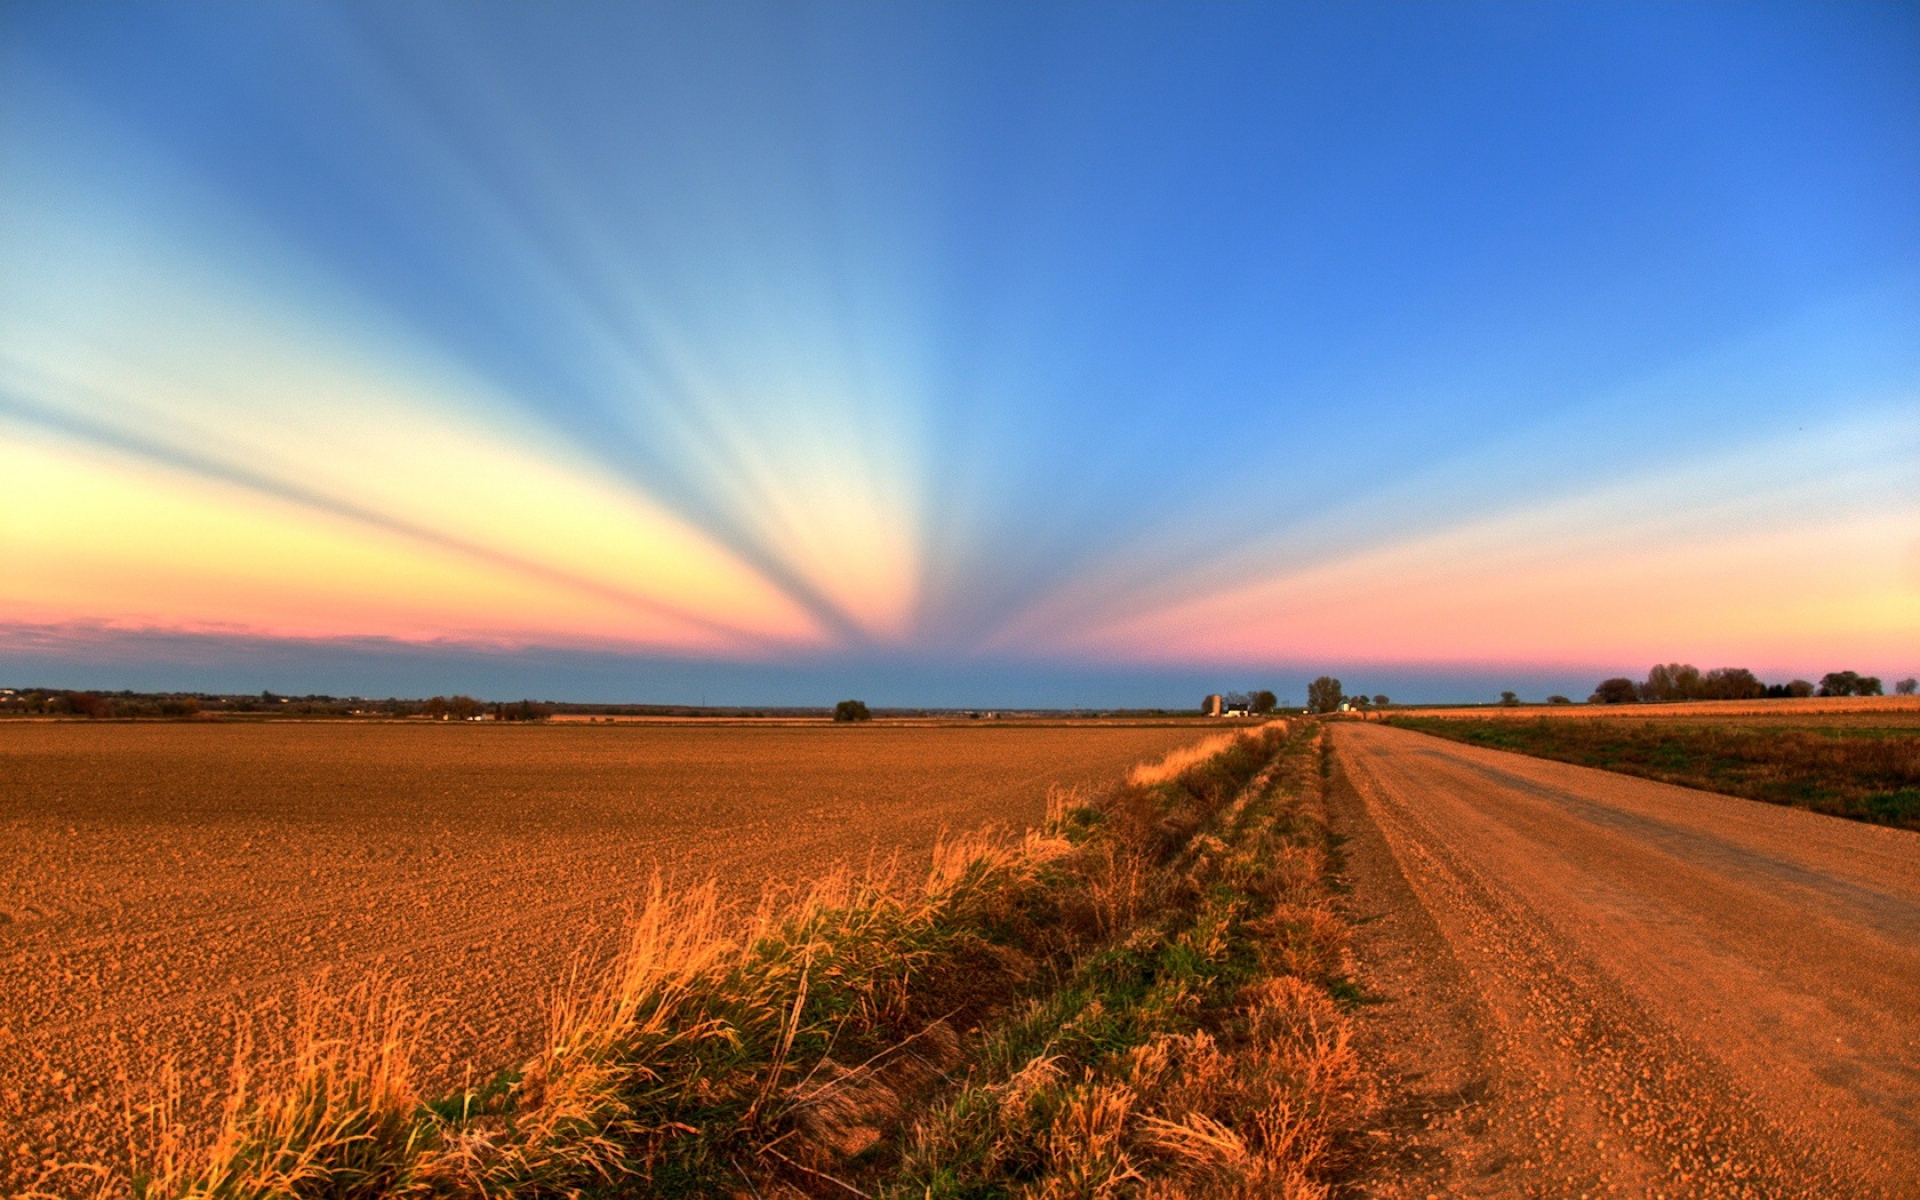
(1668, 682)
(56, 702)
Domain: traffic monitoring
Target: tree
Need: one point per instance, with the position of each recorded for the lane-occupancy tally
(1324, 695)
(1360, 702)
(1381, 702)
(1906, 687)
(1731, 683)
(851, 710)
(1849, 683)
(1558, 700)
(1673, 681)
(1509, 700)
(1265, 702)
(1618, 690)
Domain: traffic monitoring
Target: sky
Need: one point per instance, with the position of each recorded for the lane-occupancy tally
(977, 354)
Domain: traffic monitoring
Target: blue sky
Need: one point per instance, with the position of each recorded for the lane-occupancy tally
(1032, 351)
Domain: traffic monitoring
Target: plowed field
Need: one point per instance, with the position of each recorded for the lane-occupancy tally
(158, 881)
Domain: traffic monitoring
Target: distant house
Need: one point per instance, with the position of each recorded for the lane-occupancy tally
(1212, 707)
(1237, 712)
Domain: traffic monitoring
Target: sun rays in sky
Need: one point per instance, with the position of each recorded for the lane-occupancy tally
(1176, 336)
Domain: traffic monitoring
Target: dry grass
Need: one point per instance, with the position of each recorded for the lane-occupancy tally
(1201, 1055)
(1143, 937)
(158, 880)
(1178, 760)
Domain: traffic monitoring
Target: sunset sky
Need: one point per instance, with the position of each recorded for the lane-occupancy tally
(973, 354)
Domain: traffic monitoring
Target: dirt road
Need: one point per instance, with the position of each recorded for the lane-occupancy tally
(1592, 984)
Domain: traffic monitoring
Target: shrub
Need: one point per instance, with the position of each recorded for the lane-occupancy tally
(851, 710)
(1618, 690)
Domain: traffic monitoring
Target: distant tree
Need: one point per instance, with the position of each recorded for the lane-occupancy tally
(1558, 700)
(1265, 702)
(89, 704)
(526, 710)
(1324, 695)
(1618, 690)
(1731, 683)
(1906, 687)
(851, 710)
(1361, 702)
(1673, 681)
(435, 708)
(1849, 683)
(1509, 700)
(1381, 702)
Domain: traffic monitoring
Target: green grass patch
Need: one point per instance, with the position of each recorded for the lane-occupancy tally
(1870, 774)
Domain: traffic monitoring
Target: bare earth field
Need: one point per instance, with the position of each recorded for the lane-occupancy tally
(1592, 984)
(160, 883)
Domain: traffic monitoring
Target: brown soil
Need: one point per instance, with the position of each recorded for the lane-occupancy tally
(158, 881)
(1589, 984)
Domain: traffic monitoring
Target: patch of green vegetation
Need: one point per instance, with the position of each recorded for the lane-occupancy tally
(1865, 774)
(1112, 1076)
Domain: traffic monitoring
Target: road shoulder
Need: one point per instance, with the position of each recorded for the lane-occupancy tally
(1421, 1024)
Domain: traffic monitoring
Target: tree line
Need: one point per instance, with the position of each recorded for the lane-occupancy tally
(1667, 682)
(62, 702)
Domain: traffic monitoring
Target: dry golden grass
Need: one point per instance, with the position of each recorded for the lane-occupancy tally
(166, 888)
(1201, 1055)
(1178, 760)
(788, 1053)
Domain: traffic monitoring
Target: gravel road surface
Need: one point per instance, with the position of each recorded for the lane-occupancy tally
(1590, 984)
